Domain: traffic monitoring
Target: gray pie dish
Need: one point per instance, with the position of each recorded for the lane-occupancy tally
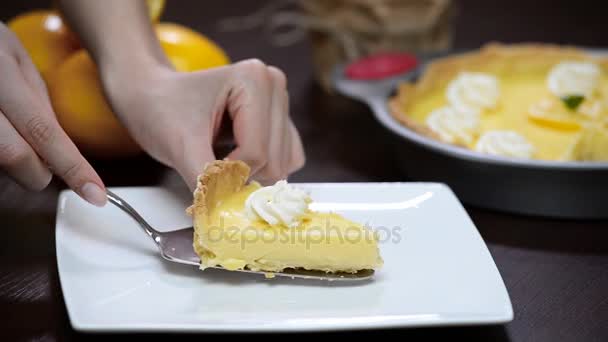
(568, 190)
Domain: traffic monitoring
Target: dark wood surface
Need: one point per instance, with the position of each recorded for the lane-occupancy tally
(556, 272)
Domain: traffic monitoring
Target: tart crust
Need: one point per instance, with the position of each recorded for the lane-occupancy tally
(218, 179)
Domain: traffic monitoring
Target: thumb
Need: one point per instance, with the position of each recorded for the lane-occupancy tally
(192, 162)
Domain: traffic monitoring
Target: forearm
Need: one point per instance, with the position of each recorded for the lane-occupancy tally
(117, 33)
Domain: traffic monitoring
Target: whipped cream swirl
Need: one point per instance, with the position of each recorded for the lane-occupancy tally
(573, 78)
(473, 92)
(505, 143)
(280, 203)
(454, 126)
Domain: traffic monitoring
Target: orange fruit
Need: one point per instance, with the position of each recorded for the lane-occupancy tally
(84, 113)
(189, 50)
(79, 102)
(45, 37)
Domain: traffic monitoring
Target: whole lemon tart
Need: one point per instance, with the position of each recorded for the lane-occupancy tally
(535, 101)
(242, 225)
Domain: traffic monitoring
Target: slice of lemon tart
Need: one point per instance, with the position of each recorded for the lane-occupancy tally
(240, 225)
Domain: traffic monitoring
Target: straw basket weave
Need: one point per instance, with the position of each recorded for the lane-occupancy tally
(343, 30)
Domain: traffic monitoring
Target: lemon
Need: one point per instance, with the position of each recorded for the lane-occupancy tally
(81, 107)
(83, 112)
(189, 50)
(45, 37)
(559, 121)
(553, 114)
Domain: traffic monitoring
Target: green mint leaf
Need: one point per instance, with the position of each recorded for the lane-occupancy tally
(573, 101)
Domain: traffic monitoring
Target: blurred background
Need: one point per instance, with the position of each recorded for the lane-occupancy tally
(306, 39)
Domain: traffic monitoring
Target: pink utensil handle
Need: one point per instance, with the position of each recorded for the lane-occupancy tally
(380, 66)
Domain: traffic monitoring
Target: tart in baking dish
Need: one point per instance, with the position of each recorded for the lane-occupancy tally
(533, 101)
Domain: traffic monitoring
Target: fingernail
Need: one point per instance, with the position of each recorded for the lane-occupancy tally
(93, 194)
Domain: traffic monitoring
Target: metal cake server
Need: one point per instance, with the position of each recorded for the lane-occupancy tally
(176, 246)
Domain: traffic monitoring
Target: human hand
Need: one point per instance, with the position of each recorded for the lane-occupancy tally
(33, 145)
(175, 116)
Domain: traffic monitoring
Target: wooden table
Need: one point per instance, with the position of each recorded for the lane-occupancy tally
(556, 272)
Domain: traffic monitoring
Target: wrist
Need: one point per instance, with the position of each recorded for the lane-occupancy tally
(131, 64)
(127, 84)
(120, 73)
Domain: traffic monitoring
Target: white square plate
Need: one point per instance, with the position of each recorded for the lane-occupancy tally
(437, 269)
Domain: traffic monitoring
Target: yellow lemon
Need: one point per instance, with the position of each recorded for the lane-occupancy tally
(559, 121)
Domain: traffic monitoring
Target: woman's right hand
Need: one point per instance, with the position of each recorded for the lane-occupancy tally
(33, 146)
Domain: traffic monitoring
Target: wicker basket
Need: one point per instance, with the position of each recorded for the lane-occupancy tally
(343, 30)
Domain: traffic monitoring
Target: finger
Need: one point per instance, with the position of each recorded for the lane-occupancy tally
(274, 169)
(30, 73)
(282, 109)
(288, 140)
(249, 106)
(195, 156)
(297, 156)
(19, 160)
(25, 109)
(279, 140)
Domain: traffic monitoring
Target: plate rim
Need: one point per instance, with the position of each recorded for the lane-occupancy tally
(396, 322)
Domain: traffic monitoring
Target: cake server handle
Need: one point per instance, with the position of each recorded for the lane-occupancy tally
(124, 206)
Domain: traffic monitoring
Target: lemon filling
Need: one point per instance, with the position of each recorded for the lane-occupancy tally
(553, 111)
